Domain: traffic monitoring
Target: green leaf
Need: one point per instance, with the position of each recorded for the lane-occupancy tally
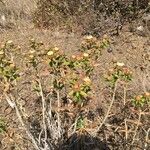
(71, 93)
(80, 123)
(83, 93)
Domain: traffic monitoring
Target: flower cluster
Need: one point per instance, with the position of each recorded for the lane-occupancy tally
(141, 100)
(81, 63)
(57, 59)
(80, 89)
(65, 70)
(35, 45)
(35, 53)
(93, 47)
(8, 69)
(119, 71)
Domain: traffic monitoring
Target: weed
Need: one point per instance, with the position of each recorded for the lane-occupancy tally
(141, 100)
(80, 89)
(2, 125)
(80, 123)
(118, 72)
(8, 70)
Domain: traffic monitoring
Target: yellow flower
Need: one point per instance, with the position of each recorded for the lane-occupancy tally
(50, 53)
(32, 51)
(105, 36)
(90, 37)
(147, 94)
(73, 56)
(85, 54)
(111, 71)
(32, 40)
(119, 64)
(12, 65)
(107, 77)
(1, 52)
(87, 80)
(56, 49)
(10, 42)
(31, 56)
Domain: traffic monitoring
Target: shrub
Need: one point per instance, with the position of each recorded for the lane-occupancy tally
(67, 92)
(91, 15)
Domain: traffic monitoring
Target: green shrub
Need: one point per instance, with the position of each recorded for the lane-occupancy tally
(2, 125)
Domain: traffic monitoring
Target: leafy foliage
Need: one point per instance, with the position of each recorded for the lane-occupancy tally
(8, 70)
(141, 100)
(119, 72)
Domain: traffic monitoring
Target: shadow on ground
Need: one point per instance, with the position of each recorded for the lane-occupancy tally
(83, 142)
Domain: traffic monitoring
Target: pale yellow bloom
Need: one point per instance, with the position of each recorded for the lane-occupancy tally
(1, 52)
(120, 64)
(32, 40)
(31, 56)
(73, 56)
(85, 54)
(105, 36)
(147, 94)
(50, 53)
(12, 65)
(10, 42)
(87, 80)
(90, 37)
(56, 49)
(32, 51)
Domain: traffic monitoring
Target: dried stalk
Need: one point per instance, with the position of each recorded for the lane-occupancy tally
(12, 102)
(138, 123)
(43, 114)
(110, 106)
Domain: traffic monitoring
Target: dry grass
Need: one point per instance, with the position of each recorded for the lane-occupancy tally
(16, 13)
(19, 6)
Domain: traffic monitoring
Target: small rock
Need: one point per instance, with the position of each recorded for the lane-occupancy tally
(140, 28)
(109, 50)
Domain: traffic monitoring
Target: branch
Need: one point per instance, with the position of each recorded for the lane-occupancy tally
(110, 106)
(13, 105)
